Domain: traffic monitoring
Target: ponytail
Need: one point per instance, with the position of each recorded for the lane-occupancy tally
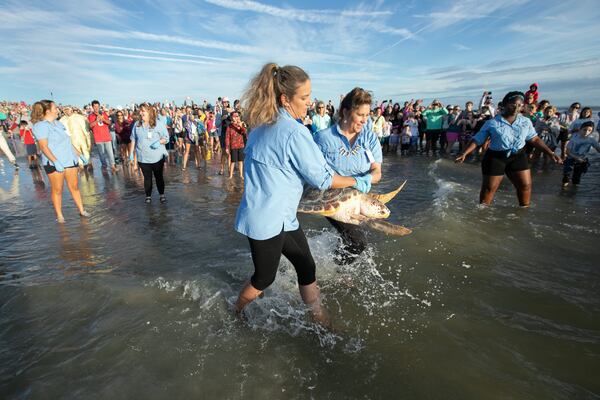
(39, 110)
(262, 97)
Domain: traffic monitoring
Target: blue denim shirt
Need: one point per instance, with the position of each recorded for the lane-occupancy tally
(349, 160)
(504, 136)
(59, 142)
(144, 136)
(280, 159)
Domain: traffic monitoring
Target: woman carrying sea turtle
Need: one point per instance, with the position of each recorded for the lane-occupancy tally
(280, 158)
(351, 148)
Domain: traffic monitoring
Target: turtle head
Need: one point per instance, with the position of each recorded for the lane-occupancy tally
(373, 208)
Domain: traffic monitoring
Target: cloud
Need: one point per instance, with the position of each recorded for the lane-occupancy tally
(461, 47)
(467, 10)
(294, 13)
(315, 16)
(103, 46)
(141, 57)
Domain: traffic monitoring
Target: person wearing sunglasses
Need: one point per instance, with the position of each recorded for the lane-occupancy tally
(321, 120)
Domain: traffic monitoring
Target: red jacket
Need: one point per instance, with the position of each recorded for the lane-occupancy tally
(234, 137)
(535, 93)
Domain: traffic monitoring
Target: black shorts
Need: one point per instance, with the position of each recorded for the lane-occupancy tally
(495, 163)
(50, 168)
(237, 154)
(563, 136)
(267, 253)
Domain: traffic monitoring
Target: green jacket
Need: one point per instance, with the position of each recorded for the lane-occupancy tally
(434, 117)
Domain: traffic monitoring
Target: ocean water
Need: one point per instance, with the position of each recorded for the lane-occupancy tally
(135, 302)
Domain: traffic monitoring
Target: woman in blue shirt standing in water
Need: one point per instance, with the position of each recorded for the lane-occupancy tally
(148, 137)
(59, 157)
(281, 157)
(508, 133)
(352, 148)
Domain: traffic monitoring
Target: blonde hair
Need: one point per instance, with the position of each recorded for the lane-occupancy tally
(151, 114)
(262, 97)
(39, 110)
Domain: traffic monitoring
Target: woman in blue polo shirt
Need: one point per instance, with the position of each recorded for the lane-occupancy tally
(59, 158)
(280, 158)
(351, 148)
(508, 133)
(148, 137)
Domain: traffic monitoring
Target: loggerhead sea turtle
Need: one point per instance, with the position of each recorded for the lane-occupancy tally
(353, 207)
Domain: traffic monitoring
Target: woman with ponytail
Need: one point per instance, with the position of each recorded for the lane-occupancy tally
(59, 158)
(280, 158)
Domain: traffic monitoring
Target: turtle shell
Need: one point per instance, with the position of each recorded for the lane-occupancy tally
(316, 201)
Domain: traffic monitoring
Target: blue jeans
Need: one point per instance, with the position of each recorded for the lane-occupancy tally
(105, 151)
(115, 145)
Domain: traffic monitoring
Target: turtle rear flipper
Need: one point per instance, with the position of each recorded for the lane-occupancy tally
(386, 227)
(384, 198)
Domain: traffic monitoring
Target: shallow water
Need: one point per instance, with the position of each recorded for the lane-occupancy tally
(479, 302)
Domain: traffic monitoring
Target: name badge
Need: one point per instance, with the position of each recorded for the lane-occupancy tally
(370, 156)
(149, 134)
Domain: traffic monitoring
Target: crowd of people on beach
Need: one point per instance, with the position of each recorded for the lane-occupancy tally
(280, 140)
(199, 132)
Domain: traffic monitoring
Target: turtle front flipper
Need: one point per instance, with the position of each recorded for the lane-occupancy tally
(386, 197)
(386, 227)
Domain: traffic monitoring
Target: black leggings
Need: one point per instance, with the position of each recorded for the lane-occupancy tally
(266, 255)
(147, 171)
(433, 136)
(354, 239)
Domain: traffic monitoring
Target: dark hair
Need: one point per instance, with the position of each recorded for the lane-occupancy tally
(584, 110)
(586, 124)
(354, 99)
(23, 122)
(511, 97)
(573, 105)
(95, 102)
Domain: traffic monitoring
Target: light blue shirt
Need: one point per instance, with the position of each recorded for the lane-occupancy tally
(345, 159)
(319, 123)
(59, 142)
(280, 159)
(504, 136)
(143, 136)
(579, 145)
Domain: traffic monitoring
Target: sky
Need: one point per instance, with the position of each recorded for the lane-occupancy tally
(165, 50)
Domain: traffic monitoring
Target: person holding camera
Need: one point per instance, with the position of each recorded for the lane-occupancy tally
(486, 102)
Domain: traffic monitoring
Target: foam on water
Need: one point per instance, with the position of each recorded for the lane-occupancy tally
(360, 285)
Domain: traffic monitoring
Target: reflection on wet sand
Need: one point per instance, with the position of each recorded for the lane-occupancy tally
(76, 252)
